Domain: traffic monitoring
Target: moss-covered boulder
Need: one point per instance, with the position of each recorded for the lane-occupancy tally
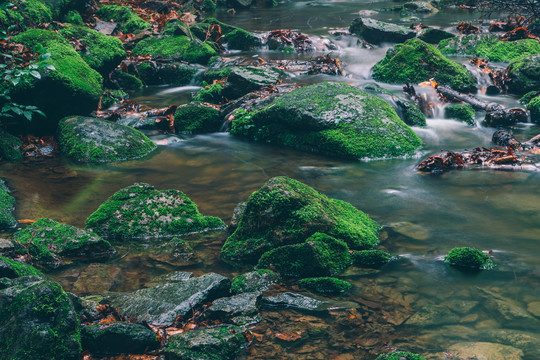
(153, 73)
(371, 258)
(376, 32)
(91, 140)
(103, 53)
(68, 86)
(524, 75)
(10, 147)
(258, 280)
(7, 206)
(178, 48)
(140, 211)
(128, 21)
(126, 81)
(534, 108)
(286, 212)
(469, 258)
(234, 37)
(330, 118)
(244, 79)
(112, 97)
(400, 355)
(490, 47)
(326, 285)
(435, 36)
(118, 338)
(210, 94)
(319, 255)
(37, 321)
(50, 243)
(24, 14)
(462, 112)
(218, 343)
(12, 269)
(197, 119)
(416, 61)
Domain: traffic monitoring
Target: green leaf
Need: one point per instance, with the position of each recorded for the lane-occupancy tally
(33, 67)
(2, 66)
(40, 113)
(50, 67)
(45, 56)
(35, 74)
(15, 81)
(17, 110)
(28, 115)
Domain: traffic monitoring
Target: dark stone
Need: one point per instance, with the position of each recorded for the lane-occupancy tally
(376, 32)
(105, 27)
(498, 115)
(239, 306)
(239, 4)
(245, 79)
(302, 303)
(258, 280)
(118, 338)
(434, 36)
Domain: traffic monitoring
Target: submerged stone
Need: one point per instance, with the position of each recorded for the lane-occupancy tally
(326, 285)
(258, 280)
(524, 75)
(118, 338)
(432, 315)
(163, 303)
(7, 207)
(330, 118)
(140, 211)
(484, 350)
(416, 61)
(91, 140)
(434, 36)
(508, 312)
(244, 79)
(467, 257)
(400, 355)
(49, 243)
(376, 32)
(175, 73)
(285, 211)
(294, 301)
(237, 309)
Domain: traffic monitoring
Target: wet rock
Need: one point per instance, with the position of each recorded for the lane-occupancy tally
(330, 118)
(326, 285)
(105, 27)
(234, 37)
(7, 207)
(508, 312)
(258, 280)
(432, 315)
(242, 307)
(505, 138)
(285, 211)
(237, 215)
(295, 302)
(462, 307)
(197, 119)
(244, 79)
(50, 243)
(376, 32)
(534, 108)
(240, 4)
(460, 112)
(222, 342)
(176, 48)
(97, 279)
(140, 211)
(126, 19)
(524, 75)
(411, 230)
(485, 351)
(163, 303)
(371, 258)
(153, 72)
(526, 341)
(6, 247)
(37, 321)
(497, 115)
(91, 140)
(417, 61)
(10, 147)
(118, 338)
(12, 269)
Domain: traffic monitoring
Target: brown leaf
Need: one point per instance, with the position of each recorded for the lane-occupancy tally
(288, 336)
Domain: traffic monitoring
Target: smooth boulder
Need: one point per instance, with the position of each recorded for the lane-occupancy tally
(376, 32)
(524, 75)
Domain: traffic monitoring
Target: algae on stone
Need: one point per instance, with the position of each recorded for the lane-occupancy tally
(7, 206)
(10, 147)
(286, 212)
(468, 257)
(400, 355)
(371, 258)
(118, 338)
(258, 280)
(153, 73)
(524, 75)
(210, 94)
(197, 119)
(534, 108)
(127, 19)
(140, 211)
(462, 112)
(333, 119)
(12, 269)
(416, 61)
(176, 48)
(326, 285)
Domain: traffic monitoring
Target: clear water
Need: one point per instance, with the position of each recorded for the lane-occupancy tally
(423, 215)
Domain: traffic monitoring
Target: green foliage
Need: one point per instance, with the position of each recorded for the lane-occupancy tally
(180, 48)
(400, 355)
(461, 112)
(129, 21)
(7, 205)
(326, 285)
(197, 119)
(524, 74)
(468, 257)
(10, 147)
(24, 14)
(210, 94)
(371, 258)
(416, 61)
(73, 17)
(534, 108)
(525, 99)
(112, 97)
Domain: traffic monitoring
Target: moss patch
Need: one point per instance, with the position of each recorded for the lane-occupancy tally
(416, 61)
(461, 112)
(179, 48)
(524, 75)
(326, 285)
(197, 119)
(7, 206)
(129, 21)
(534, 108)
(25, 14)
(127, 81)
(210, 94)
(10, 147)
(400, 355)
(468, 257)
(153, 73)
(258, 280)
(13, 269)
(371, 258)
(112, 97)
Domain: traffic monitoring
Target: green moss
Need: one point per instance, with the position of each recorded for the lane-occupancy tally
(240, 39)
(525, 99)
(21, 269)
(7, 205)
(331, 118)
(209, 5)
(179, 48)
(197, 119)
(524, 75)
(326, 285)
(10, 147)
(25, 14)
(461, 112)
(371, 258)
(400, 355)
(210, 94)
(216, 74)
(489, 47)
(285, 211)
(73, 17)
(140, 211)
(112, 97)
(129, 22)
(534, 108)
(416, 61)
(103, 53)
(468, 257)
(320, 255)
(166, 74)
(127, 81)
(258, 280)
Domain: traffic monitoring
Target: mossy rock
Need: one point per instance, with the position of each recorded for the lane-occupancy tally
(254, 281)
(91, 140)
(153, 73)
(435, 36)
(118, 338)
(244, 79)
(319, 255)
(7, 206)
(330, 118)
(489, 47)
(197, 119)
(461, 112)
(126, 81)
(12, 269)
(410, 113)
(376, 32)
(216, 74)
(74, 17)
(416, 61)
(326, 285)
(140, 211)
(178, 48)
(524, 75)
(371, 258)
(400, 355)
(25, 14)
(103, 53)
(176, 27)
(112, 97)
(50, 243)
(210, 94)
(534, 108)
(218, 343)
(72, 88)
(240, 39)
(420, 7)
(285, 212)
(10, 147)
(128, 21)
(469, 258)
(37, 321)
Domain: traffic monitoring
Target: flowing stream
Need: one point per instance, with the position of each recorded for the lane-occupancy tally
(423, 215)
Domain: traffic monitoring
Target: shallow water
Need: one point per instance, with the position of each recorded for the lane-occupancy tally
(423, 216)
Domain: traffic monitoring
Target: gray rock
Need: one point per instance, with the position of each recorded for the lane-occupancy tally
(508, 312)
(432, 315)
(527, 341)
(105, 27)
(376, 32)
(241, 307)
(258, 280)
(245, 79)
(118, 338)
(302, 303)
(485, 351)
(237, 216)
(434, 36)
(163, 303)
(6, 247)
(420, 7)
(240, 4)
